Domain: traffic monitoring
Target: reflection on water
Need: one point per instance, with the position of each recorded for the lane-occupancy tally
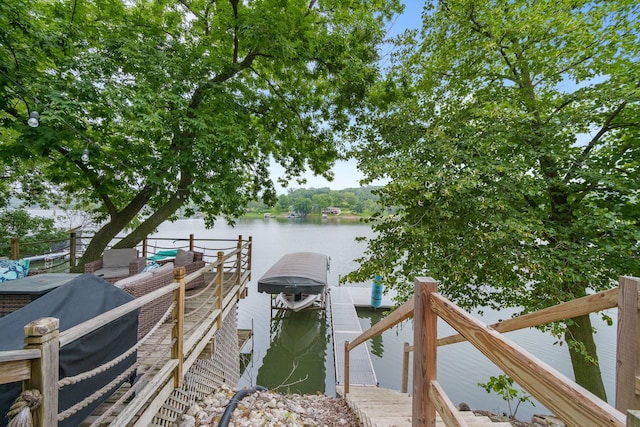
(376, 346)
(295, 362)
(460, 366)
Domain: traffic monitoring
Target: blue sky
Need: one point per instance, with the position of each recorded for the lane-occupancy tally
(346, 173)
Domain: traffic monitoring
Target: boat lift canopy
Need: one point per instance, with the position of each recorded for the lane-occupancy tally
(298, 272)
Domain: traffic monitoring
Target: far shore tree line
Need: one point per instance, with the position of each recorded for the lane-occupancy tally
(312, 201)
(507, 132)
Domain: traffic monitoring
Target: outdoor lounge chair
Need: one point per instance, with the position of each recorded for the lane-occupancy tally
(116, 264)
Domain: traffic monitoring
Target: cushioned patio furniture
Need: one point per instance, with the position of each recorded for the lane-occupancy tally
(143, 283)
(116, 264)
(191, 261)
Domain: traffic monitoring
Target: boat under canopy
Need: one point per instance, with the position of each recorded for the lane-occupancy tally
(296, 273)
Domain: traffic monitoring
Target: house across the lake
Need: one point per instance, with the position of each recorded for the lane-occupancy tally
(331, 211)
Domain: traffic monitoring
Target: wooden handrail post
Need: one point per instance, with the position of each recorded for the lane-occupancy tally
(239, 260)
(191, 242)
(15, 248)
(177, 332)
(72, 250)
(424, 352)
(628, 345)
(145, 247)
(42, 334)
(346, 367)
(220, 284)
(633, 418)
(250, 250)
(405, 368)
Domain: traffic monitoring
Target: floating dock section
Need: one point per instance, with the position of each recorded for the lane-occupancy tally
(346, 327)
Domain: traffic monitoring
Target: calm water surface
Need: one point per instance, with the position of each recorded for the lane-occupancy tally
(295, 353)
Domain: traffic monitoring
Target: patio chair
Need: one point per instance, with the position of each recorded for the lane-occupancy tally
(116, 264)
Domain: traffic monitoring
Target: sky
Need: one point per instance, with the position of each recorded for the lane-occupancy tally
(346, 173)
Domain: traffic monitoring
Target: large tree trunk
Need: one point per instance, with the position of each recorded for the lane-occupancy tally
(150, 224)
(585, 369)
(100, 240)
(119, 220)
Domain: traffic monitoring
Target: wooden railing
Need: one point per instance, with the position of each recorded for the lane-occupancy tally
(48, 255)
(37, 365)
(574, 405)
(70, 249)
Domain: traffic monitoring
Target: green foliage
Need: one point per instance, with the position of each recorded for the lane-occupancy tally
(36, 235)
(179, 103)
(508, 134)
(503, 386)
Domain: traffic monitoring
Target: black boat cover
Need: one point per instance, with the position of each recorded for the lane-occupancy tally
(77, 301)
(298, 272)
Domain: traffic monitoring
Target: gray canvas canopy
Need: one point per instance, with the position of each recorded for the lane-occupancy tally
(298, 272)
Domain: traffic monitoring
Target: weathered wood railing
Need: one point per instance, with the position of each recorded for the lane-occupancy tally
(37, 365)
(570, 402)
(70, 249)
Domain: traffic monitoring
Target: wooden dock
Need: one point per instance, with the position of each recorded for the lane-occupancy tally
(346, 327)
(381, 407)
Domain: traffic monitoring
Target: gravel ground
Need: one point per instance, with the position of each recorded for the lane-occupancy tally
(266, 408)
(270, 409)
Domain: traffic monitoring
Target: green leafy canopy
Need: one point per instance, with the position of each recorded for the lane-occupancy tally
(508, 131)
(181, 101)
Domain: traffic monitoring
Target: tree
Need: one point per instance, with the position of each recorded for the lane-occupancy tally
(509, 134)
(152, 105)
(36, 234)
(302, 206)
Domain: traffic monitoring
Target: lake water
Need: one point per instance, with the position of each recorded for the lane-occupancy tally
(295, 353)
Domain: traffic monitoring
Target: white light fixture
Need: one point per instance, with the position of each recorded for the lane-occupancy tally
(34, 119)
(85, 155)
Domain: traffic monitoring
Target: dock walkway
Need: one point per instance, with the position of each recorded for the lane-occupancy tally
(346, 327)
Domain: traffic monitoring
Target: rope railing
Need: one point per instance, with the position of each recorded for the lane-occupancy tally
(114, 362)
(167, 358)
(96, 395)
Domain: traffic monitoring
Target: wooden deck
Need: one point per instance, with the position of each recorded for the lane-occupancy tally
(380, 407)
(202, 319)
(346, 327)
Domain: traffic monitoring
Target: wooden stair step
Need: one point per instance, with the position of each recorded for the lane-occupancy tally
(380, 407)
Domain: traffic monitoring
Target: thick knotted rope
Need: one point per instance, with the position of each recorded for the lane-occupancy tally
(20, 412)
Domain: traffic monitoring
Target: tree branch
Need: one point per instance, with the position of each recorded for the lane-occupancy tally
(606, 127)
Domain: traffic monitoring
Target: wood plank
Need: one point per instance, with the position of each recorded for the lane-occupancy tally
(444, 406)
(398, 315)
(97, 322)
(15, 370)
(628, 345)
(425, 332)
(11, 355)
(585, 305)
(570, 402)
(146, 394)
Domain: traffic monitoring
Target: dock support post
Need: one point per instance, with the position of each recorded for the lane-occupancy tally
(43, 335)
(346, 367)
(177, 332)
(424, 355)
(405, 368)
